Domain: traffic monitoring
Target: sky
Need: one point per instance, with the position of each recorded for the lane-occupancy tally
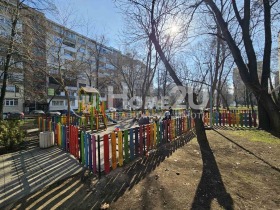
(103, 16)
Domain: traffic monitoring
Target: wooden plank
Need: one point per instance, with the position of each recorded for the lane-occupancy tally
(141, 140)
(136, 141)
(93, 143)
(120, 147)
(131, 144)
(114, 148)
(126, 153)
(106, 154)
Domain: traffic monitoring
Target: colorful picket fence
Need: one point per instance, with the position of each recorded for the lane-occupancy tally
(106, 153)
(45, 122)
(132, 114)
(234, 118)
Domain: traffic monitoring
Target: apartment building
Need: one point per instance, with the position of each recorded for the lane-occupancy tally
(52, 58)
(241, 94)
(76, 57)
(15, 88)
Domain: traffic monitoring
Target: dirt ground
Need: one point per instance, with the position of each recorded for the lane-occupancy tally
(233, 170)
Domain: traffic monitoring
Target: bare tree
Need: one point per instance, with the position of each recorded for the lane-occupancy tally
(247, 17)
(155, 14)
(17, 48)
(96, 60)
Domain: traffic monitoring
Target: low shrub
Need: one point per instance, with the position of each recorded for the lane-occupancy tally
(10, 134)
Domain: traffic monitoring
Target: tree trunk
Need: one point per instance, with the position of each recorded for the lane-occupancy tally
(7, 62)
(269, 115)
(143, 103)
(199, 125)
(251, 102)
(68, 107)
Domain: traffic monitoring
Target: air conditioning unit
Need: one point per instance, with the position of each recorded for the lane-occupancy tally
(46, 139)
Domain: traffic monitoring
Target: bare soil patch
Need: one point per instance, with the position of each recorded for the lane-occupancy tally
(233, 170)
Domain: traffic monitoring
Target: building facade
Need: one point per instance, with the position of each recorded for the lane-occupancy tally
(241, 95)
(53, 61)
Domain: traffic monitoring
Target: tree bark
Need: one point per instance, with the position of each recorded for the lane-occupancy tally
(269, 113)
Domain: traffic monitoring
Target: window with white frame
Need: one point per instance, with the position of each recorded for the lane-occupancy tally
(11, 102)
(57, 103)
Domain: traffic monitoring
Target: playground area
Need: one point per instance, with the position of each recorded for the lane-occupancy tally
(108, 150)
(235, 169)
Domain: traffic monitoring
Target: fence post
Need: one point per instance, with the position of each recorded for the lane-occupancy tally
(136, 142)
(114, 155)
(120, 147)
(82, 153)
(89, 151)
(93, 153)
(255, 118)
(148, 137)
(158, 134)
(106, 153)
(99, 157)
(126, 154)
(141, 139)
(131, 144)
(250, 119)
(155, 134)
(86, 146)
(245, 119)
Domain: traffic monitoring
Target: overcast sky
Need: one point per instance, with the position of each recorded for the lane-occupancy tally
(103, 16)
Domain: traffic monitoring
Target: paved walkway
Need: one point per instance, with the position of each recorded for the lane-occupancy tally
(26, 171)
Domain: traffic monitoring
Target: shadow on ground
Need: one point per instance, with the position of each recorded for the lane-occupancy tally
(86, 192)
(27, 171)
(211, 185)
(80, 190)
(250, 152)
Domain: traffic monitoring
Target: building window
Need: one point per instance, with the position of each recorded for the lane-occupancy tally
(53, 71)
(69, 44)
(72, 103)
(58, 103)
(70, 35)
(82, 50)
(57, 28)
(69, 53)
(11, 102)
(57, 40)
(81, 41)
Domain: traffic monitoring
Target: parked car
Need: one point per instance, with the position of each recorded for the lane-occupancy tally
(136, 108)
(15, 115)
(65, 112)
(127, 108)
(36, 113)
(111, 109)
(119, 109)
(53, 113)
